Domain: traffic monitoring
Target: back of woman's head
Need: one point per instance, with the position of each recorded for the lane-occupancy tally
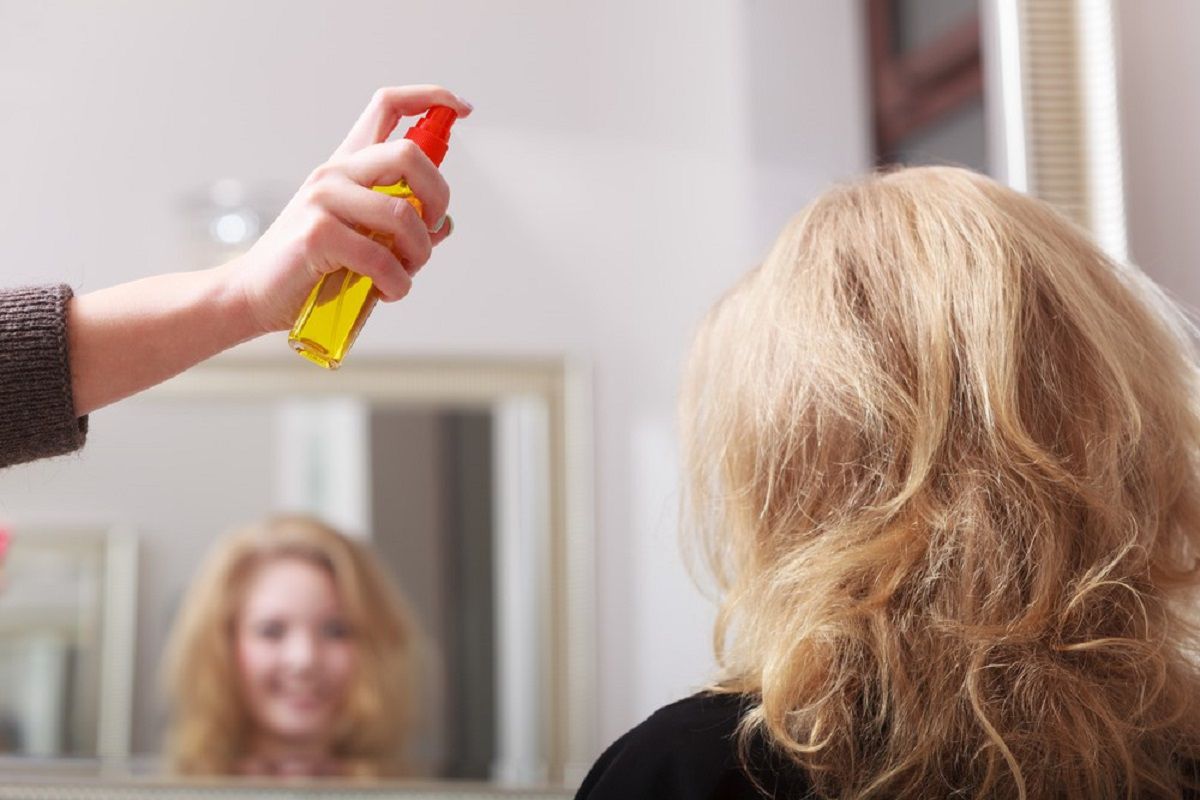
(211, 724)
(943, 459)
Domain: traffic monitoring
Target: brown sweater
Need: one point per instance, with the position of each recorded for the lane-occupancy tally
(37, 410)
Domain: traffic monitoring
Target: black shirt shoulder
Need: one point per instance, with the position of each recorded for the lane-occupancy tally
(689, 751)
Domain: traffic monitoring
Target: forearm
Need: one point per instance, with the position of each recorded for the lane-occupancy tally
(129, 337)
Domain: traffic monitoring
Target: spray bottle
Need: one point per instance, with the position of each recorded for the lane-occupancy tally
(341, 301)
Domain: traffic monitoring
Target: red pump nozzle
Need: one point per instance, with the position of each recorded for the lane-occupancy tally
(432, 132)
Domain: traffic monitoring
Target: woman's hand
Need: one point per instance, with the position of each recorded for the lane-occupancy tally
(320, 229)
(131, 336)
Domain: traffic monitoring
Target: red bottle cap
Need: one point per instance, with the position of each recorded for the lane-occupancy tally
(432, 133)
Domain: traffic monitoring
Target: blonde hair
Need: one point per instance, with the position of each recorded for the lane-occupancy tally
(942, 458)
(210, 725)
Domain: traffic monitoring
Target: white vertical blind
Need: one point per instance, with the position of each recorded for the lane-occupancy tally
(522, 548)
(324, 461)
(1069, 106)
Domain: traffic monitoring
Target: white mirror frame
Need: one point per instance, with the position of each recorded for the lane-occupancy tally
(550, 399)
(118, 549)
(80, 789)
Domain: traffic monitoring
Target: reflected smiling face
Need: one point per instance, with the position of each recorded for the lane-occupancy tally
(295, 651)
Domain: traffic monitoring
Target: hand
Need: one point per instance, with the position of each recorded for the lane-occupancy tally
(320, 229)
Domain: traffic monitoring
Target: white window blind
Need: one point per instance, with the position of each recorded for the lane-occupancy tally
(1058, 91)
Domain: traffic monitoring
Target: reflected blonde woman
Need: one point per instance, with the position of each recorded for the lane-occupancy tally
(293, 655)
(943, 459)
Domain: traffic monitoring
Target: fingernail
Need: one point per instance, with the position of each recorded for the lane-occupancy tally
(441, 223)
(465, 102)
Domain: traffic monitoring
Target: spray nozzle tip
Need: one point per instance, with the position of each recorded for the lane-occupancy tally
(432, 132)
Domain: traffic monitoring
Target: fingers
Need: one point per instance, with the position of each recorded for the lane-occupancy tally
(390, 162)
(342, 247)
(386, 108)
(439, 235)
(349, 217)
(393, 217)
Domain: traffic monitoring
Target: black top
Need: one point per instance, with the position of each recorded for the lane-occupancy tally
(688, 751)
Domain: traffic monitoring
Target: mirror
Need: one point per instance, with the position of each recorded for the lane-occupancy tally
(458, 474)
(67, 641)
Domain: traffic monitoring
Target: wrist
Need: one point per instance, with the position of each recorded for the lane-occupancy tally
(233, 306)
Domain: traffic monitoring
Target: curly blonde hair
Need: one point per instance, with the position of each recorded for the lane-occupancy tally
(210, 725)
(942, 457)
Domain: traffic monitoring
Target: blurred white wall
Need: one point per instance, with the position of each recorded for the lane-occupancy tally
(626, 162)
(1159, 76)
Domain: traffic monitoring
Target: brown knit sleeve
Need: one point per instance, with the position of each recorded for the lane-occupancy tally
(37, 410)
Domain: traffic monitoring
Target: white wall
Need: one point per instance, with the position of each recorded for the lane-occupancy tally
(1159, 78)
(627, 160)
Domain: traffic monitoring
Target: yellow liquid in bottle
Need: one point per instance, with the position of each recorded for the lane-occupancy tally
(340, 303)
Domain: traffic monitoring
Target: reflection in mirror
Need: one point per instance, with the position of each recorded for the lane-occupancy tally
(293, 654)
(449, 473)
(927, 85)
(66, 641)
